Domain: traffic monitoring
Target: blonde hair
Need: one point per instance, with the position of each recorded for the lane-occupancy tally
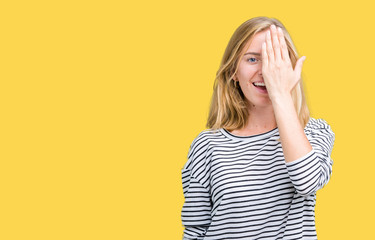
(229, 108)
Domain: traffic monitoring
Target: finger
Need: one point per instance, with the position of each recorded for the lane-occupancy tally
(271, 56)
(283, 46)
(276, 44)
(298, 67)
(264, 55)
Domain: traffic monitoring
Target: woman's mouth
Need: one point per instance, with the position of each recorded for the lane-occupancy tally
(260, 86)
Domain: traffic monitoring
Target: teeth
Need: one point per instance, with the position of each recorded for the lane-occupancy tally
(259, 84)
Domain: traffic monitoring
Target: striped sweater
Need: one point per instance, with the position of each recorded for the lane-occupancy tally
(240, 187)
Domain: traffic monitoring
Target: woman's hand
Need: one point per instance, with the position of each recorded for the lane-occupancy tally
(278, 73)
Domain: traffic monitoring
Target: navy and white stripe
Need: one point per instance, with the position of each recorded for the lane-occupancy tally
(240, 187)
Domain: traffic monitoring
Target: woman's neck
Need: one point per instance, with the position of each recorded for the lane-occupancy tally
(261, 119)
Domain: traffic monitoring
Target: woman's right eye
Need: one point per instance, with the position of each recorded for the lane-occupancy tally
(252, 60)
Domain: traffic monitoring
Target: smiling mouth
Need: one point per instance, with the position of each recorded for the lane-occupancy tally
(261, 86)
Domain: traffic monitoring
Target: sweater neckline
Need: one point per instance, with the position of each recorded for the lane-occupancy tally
(255, 137)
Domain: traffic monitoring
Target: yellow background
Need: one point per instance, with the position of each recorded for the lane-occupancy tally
(100, 101)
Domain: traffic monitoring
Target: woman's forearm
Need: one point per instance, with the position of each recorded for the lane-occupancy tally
(293, 138)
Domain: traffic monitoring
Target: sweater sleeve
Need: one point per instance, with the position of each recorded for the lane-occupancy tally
(311, 172)
(196, 210)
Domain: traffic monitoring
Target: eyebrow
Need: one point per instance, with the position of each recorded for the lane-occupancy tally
(252, 53)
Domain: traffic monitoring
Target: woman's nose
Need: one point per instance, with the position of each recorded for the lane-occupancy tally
(260, 70)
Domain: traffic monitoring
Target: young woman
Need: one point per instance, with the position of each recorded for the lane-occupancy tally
(254, 173)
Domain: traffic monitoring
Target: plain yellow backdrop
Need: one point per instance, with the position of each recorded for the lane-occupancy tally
(100, 101)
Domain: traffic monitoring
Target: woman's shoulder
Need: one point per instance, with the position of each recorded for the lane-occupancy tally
(318, 125)
(203, 139)
(199, 150)
(206, 135)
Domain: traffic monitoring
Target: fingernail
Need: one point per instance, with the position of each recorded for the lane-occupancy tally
(279, 28)
(273, 26)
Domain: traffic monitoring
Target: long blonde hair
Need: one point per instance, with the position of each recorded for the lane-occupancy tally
(228, 107)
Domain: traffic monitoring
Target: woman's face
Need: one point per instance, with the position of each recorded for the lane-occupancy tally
(249, 72)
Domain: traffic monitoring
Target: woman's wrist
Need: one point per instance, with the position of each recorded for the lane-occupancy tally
(280, 98)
